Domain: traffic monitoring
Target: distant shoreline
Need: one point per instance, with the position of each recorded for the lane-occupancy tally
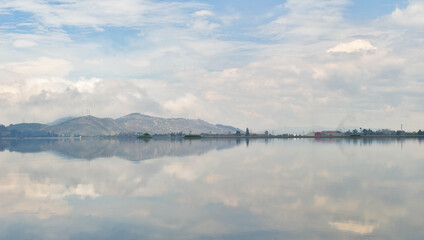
(353, 137)
(223, 137)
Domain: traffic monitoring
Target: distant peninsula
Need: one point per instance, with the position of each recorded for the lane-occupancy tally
(132, 124)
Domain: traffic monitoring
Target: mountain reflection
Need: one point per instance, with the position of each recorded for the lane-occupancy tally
(275, 189)
(130, 149)
(137, 150)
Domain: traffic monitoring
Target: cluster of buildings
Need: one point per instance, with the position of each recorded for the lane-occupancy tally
(325, 134)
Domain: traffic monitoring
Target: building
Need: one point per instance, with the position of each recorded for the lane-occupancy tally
(325, 134)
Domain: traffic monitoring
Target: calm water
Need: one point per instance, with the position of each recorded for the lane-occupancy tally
(212, 189)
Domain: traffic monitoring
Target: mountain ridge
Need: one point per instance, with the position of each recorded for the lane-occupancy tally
(133, 123)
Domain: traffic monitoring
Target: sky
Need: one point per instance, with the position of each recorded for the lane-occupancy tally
(266, 65)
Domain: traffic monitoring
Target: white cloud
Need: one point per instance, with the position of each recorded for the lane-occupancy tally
(193, 67)
(44, 98)
(182, 104)
(412, 15)
(96, 14)
(208, 48)
(307, 19)
(139, 63)
(358, 45)
(43, 198)
(22, 43)
(87, 85)
(203, 13)
(355, 227)
(214, 96)
(228, 19)
(43, 66)
(180, 171)
(204, 25)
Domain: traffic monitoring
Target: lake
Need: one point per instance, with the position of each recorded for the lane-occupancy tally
(212, 189)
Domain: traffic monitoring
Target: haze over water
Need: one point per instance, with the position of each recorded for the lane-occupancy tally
(212, 189)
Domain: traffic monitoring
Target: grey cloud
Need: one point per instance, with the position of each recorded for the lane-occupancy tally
(287, 79)
(101, 98)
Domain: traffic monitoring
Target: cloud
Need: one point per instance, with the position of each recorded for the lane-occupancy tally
(307, 19)
(203, 13)
(209, 47)
(228, 19)
(412, 15)
(201, 22)
(180, 171)
(41, 198)
(22, 43)
(182, 104)
(204, 25)
(358, 45)
(354, 227)
(43, 66)
(183, 59)
(43, 98)
(96, 14)
(214, 96)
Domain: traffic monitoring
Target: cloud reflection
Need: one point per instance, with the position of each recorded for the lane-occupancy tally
(280, 189)
(130, 149)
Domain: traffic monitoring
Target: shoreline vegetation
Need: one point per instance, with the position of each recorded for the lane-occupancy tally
(188, 137)
(145, 136)
(192, 136)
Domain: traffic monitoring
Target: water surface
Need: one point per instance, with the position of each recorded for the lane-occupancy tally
(212, 189)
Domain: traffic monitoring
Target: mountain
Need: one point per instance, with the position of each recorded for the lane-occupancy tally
(228, 128)
(132, 123)
(26, 127)
(27, 130)
(4, 131)
(86, 126)
(137, 122)
(60, 120)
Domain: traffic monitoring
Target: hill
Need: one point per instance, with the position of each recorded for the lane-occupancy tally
(132, 123)
(137, 122)
(27, 130)
(86, 126)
